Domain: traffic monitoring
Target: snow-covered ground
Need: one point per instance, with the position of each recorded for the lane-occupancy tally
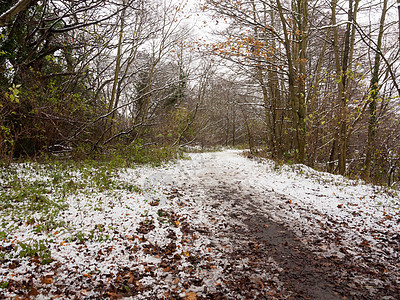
(155, 232)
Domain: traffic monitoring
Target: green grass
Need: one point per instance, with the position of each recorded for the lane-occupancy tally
(36, 248)
(35, 194)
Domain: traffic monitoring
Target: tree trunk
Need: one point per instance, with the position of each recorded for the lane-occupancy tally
(296, 99)
(341, 77)
(260, 77)
(117, 70)
(374, 90)
(7, 16)
(303, 23)
(343, 100)
(314, 101)
(275, 96)
(398, 12)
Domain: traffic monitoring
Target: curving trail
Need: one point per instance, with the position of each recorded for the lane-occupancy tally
(215, 226)
(276, 245)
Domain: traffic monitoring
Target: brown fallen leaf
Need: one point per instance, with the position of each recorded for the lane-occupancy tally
(191, 296)
(139, 286)
(114, 295)
(47, 280)
(33, 292)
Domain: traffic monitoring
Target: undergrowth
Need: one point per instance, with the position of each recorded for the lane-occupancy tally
(355, 174)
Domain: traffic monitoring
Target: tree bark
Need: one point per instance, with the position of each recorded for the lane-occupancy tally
(341, 77)
(296, 99)
(343, 100)
(373, 98)
(114, 92)
(7, 16)
(303, 25)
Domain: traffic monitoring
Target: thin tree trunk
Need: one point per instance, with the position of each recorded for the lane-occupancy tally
(374, 96)
(398, 12)
(260, 77)
(352, 42)
(341, 76)
(343, 100)
(114, 92)
(303, 15)
(334, 149)
(273, 84)
(294, 97)
(7, 16)
(314, 98)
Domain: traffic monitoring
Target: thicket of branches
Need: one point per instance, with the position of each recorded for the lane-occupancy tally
(82, 75)
(306, 81)
(325, 72)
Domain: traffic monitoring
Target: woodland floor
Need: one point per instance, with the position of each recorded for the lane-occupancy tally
(221, 226)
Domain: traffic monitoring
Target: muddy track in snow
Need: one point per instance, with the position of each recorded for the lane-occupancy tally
(301, 275)
(268, 260)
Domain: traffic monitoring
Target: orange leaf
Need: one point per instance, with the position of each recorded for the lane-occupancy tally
(191, 296)
(47, 280)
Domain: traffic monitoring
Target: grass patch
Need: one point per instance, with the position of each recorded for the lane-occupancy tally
(34, 195)
(38, 249)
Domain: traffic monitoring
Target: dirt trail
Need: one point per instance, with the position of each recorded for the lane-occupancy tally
(267, 259)
(216, 226)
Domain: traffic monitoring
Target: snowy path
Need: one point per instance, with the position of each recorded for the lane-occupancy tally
(317, 235)
(216, 226)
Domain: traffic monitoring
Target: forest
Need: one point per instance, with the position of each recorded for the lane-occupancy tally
(199, 149)
(300, 81)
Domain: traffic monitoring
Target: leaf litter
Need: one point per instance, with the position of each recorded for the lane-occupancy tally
(216, 226)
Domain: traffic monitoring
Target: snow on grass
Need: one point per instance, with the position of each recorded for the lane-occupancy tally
(356, 216)
(91, 232)
(366, 213)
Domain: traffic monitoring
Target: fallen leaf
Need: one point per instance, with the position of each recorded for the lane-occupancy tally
(191, 296)
(33, 292)
(47, 280)
(131, 279)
